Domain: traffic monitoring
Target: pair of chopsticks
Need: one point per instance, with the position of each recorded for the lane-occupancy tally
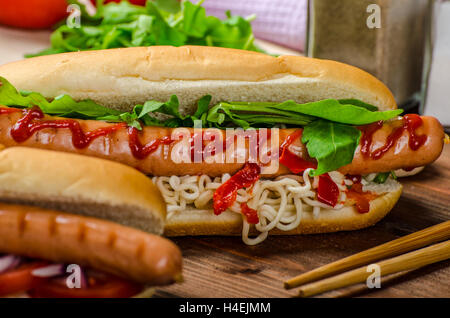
(322, 279)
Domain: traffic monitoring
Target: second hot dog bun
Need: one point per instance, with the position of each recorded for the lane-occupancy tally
(81, 185)
(122, 78)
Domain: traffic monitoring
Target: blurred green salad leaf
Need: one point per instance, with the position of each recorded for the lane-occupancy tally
(160, 22)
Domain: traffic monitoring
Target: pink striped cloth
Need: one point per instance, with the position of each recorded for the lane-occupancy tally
(279, 21)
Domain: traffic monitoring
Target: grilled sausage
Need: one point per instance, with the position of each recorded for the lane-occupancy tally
(103, 245)
(166, 157)
(400, 155)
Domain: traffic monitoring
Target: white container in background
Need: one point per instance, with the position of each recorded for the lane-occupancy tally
(436, 87)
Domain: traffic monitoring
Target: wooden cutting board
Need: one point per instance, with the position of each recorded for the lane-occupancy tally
(226, 267)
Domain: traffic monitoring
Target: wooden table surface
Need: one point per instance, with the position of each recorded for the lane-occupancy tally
(226, 267)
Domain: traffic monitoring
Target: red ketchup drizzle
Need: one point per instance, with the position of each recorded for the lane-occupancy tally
(250, 214)
(4, 111)
(366, 138)
(26, 126)
(293, 162)
(410, 123)
(140, 151)
(390, 141)
(356, 194)
(32, 122)
(328, 191)
(226, 194)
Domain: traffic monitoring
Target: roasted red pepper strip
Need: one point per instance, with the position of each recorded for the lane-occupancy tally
(293, 162)
(250, 214)
(328, 191)
(225, 195)
(362, 199)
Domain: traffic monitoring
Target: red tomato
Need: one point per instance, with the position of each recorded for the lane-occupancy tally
(108, 287)
(19, 279)
(32, 14)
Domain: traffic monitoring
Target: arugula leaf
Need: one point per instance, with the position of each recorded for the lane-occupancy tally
(203, 105)
(248, 115)
(331, 144)
(381, 177)
(141, 113)
(356, 102)
(160, 22)
(150, 106)
(62, 105)
(336, 111)
(131, 120)
(256, 114)
(171, 107)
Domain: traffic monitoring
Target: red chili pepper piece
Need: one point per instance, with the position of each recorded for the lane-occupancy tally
(225, 195)
(293, 162)
(250, 214)
(328, 191)
(356, 194)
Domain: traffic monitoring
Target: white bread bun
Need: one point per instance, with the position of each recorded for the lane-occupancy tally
(122, 78)
(328, 220)
(81, 185)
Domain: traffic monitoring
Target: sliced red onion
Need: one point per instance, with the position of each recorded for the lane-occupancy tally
(50, 271)
(8, 262)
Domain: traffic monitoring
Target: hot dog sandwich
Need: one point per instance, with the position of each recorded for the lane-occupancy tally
(236, 141)
(41, 242)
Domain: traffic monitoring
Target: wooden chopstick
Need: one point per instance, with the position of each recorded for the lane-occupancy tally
(430, 235)
(428, 255)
